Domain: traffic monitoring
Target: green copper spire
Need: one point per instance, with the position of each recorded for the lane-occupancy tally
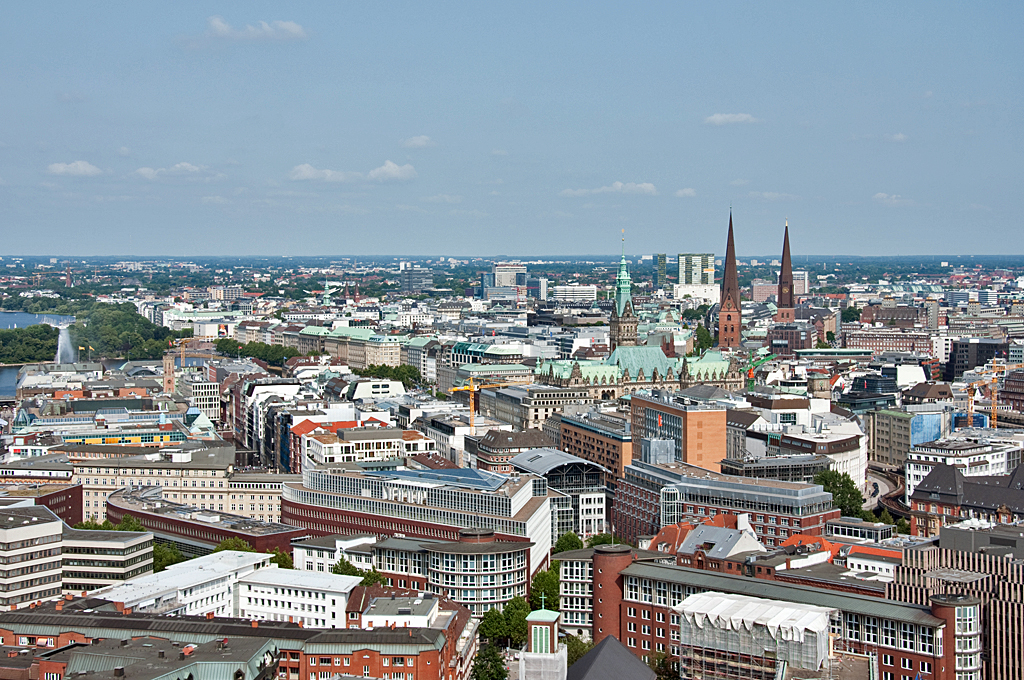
(623, 284)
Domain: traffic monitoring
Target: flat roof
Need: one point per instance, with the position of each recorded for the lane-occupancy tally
(297, 578)
(181, 575)
(787, 592)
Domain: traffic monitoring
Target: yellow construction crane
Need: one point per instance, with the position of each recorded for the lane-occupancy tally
(473, 388)
(997, 370)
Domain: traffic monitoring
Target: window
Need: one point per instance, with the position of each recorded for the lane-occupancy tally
(631, 627)
(888, 633)
(907, 663)
(926, 667)
(887, 660)
(631, 611)
(631, 642)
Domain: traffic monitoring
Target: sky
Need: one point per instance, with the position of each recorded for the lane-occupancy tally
(528, 128)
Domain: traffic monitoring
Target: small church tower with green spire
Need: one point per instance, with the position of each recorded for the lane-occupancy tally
(623, 322)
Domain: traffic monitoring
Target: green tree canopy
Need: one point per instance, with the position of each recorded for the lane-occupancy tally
(129, 523)
(575, 648)
(702, 339)
(492, 625)
(851, 315)
(345, 568)
(489, 664)
(544, 583)
(164, 555)
(567, 541)
(845, 494)
(902, 526)
(515, 613)
(92, 525)
(372, 577)
(886, 517)
(408, 375)
(601, 539)
(662, 667)
(234, 543)
(282, 559)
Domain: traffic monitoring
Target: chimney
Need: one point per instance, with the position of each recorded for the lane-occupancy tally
(68, 596)
(120, 607)
(160, 654)
(181, 656)
(127, 611)
(84, 593)
(119, 672)
(255, 624)
(60, 606)
(209, 615)
(124, 643)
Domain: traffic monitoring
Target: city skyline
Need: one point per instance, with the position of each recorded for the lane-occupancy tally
(252, 129)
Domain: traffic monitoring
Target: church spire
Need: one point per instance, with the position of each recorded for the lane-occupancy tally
(784, 302)
(729, 316)
(622, 324)
(623, 284)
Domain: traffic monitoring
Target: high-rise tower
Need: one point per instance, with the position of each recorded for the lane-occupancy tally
(785, 296)
(729, 316)
(623, 322)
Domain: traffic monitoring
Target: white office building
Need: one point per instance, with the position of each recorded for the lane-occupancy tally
(197, 587)
(314, 599)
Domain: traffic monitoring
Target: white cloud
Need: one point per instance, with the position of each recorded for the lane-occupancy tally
(308, 172)
(892, 199)
(217, 200)
(739, 182)
(75, 169)
(443, 198)
(730, 118)
(392, 172)
(898, 137)
(179, 169)
(773, 196)
(274, 30)
(419, 142)
(124, 151)
(685, 193)
(646, 189)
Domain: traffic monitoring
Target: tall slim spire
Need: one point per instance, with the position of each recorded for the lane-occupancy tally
(729, 315)
(784, 301)
(622, 324)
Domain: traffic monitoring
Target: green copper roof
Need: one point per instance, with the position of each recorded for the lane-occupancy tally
(646, 359)
(623, 287)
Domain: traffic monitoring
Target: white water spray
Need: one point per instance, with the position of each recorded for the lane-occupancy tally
(65, 349)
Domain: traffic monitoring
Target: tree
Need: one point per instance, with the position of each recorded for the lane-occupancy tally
(662, 667)
(515, 614)
(575, 648)
(489, 665)
(345, 568)
(822, 345)
(282, 559)
(93, 525)
(372, 577)
(567, 541)
(886, 517)
(492, 625)
(851, 315)
(830, 337)
(129, 523)
(544, 583)
(702, 338)
(902, 526)
(234, 543)
(602, 539)
(164, 555)
(845, 494)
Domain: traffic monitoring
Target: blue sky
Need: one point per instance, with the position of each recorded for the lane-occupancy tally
(521, 128)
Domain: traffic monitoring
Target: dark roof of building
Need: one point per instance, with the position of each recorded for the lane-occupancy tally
(528, 439)
(930, 390)
(946, 484)
(610, 660)
(741, 418)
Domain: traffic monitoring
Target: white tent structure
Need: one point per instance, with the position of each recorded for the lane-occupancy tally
(753, 631)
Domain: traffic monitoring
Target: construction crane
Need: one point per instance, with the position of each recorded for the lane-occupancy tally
(473, 388)
(997, 371)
